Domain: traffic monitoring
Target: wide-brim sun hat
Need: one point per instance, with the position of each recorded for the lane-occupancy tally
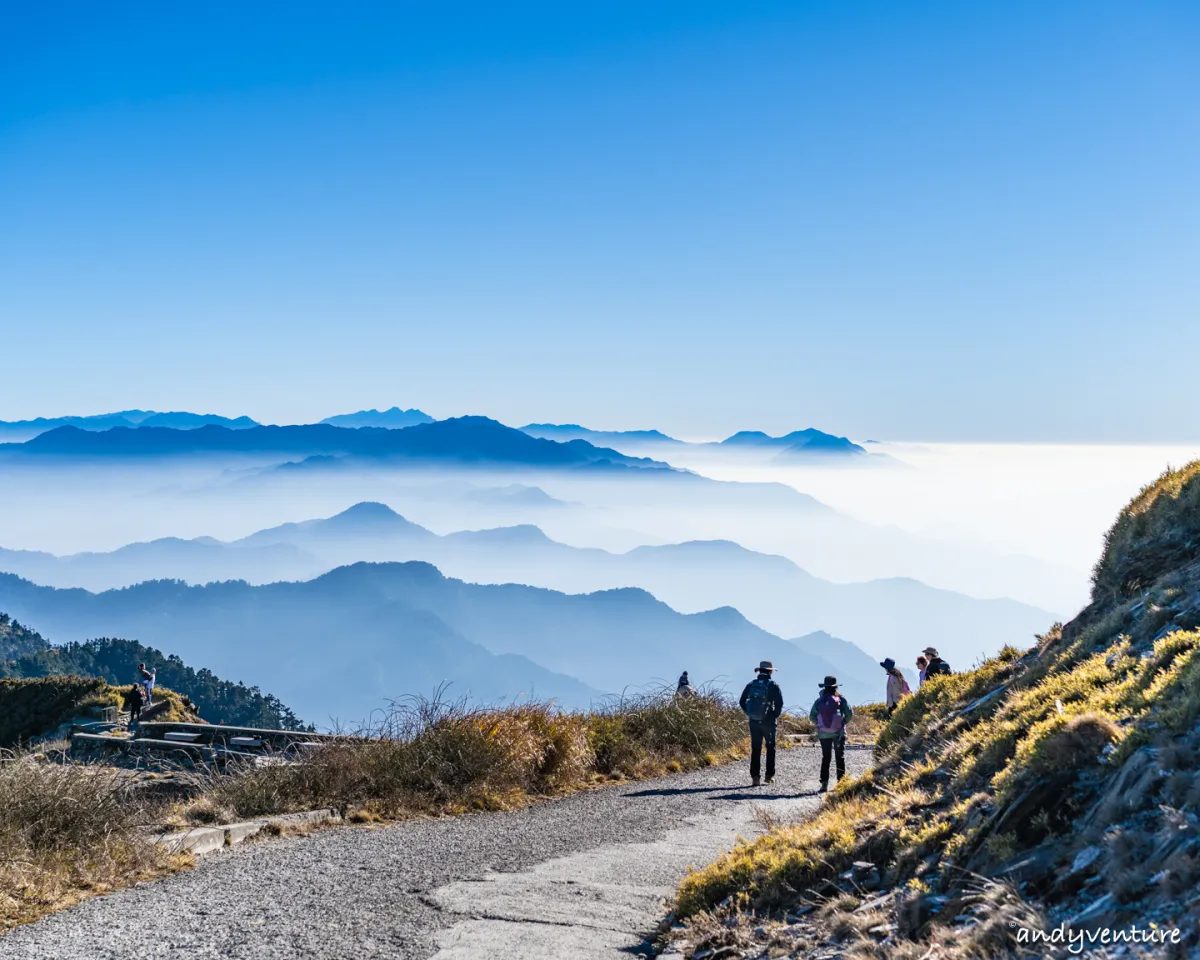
(932, 651)
(888, 663)
(765, 666)
(828, 682)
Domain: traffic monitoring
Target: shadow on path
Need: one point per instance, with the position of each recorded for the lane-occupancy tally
(740, 792)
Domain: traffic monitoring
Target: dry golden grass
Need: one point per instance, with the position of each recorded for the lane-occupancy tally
(430, 755)
(1023, 754)
(67, 832)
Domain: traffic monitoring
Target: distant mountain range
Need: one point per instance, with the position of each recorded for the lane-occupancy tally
(798, 445)
(393, 419)
(18, 431)
(890, 617)
(459, 441)
(343, 643)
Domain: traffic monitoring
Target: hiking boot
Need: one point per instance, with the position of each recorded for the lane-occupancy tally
(824, 787)
(770, 779)
(754, 781)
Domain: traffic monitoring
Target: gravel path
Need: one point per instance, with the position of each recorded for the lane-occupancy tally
(584, 876)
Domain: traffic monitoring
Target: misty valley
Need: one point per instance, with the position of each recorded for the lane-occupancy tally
(547, 562)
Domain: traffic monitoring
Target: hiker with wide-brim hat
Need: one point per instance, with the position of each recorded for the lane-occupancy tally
(897, 686)
(762, 702)
(831, 712)
(937, 667)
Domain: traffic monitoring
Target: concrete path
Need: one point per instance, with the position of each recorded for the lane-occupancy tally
(581, 877)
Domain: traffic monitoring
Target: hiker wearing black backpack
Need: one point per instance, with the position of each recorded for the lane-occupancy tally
(937, 667)
(762, 702)
(831, 712)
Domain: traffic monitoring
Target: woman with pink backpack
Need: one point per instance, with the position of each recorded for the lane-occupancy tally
(831, 713)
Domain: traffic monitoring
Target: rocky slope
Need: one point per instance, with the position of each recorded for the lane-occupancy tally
(1044, 804)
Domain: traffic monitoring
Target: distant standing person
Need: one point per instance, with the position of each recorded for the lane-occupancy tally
(937, 667)
(762, 702)
(147, 681)
(897, 686)
(134, 700)
(684, 687)
(831, 712)
(922, 663)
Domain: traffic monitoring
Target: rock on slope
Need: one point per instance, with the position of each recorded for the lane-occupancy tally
(1050, 790)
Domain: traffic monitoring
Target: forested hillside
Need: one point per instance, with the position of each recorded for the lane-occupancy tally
(218, 701)
(17, 640)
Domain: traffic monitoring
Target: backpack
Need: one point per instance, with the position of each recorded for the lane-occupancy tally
(829, 714)
(758, 699)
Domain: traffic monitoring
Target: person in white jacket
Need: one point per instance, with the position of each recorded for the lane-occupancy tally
(897, 686)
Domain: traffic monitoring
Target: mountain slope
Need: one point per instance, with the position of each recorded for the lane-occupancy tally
(1050, 790)
(17, 640)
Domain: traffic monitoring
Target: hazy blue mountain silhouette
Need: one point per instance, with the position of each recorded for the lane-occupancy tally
(797, 444)
(888, 617)
(515, 495)
(182, 420)
(332, 651)
(366, 519)
(393, 419)
(21, 430)
(349, 638)
(461, 441)
(573, 431)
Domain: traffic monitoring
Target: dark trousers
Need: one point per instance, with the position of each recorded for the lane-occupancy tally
(831, 747)
(761, 733)
(135, 712)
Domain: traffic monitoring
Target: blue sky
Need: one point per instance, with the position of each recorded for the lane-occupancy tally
(921, 221)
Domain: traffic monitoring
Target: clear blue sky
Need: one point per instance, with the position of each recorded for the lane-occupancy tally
(897, 220)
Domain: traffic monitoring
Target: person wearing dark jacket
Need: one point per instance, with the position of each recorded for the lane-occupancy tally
(762, 702)
(937, 667)
(133, 700)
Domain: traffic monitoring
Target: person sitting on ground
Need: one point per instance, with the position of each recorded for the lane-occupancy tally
(922, 663)
(684, 688)
(897, 686)
(937, 667)
(831, 712)
(762, 702)
(133, 700)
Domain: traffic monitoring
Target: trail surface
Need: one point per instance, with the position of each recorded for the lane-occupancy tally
(581, 877)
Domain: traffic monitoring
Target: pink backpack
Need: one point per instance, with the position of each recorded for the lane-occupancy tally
(829, 714)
